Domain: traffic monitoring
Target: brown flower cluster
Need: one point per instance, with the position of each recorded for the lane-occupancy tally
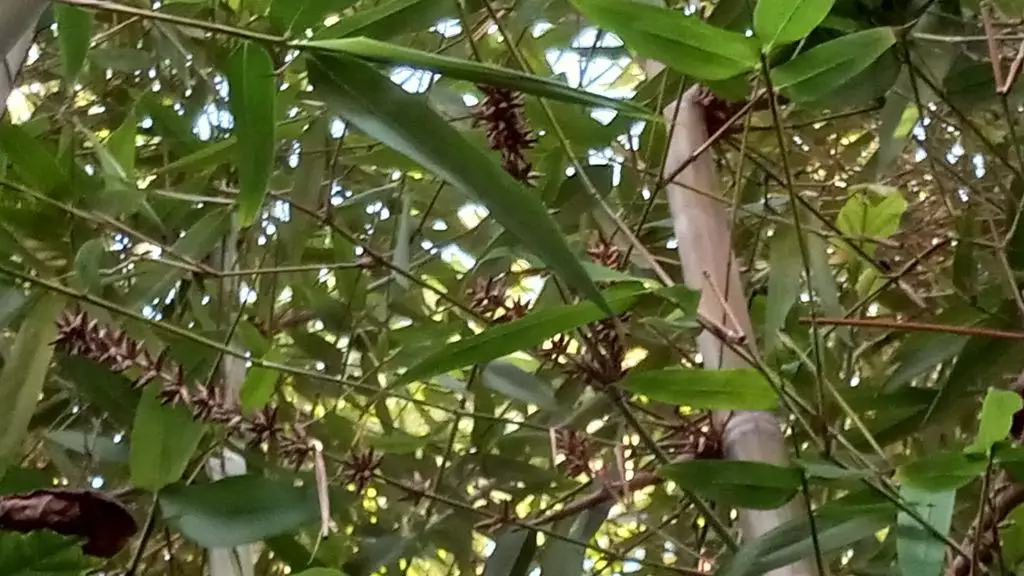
(501, 112)
(80, 335)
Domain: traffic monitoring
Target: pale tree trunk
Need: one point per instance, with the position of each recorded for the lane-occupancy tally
(237, 561)
(702, 227)
(17, 29)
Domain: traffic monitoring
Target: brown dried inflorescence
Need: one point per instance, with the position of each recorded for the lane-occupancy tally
(361, 466)
(80, 335)
(575, 446)
(501, 112)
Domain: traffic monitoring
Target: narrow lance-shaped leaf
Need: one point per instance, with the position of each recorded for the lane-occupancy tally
(383, 52)
(253, 91)
(521, 334)
(237, 510)
(74, 26)
(918, 550)
(24, 371)
(163, 440)
(817, 72)
(684, 43)
(783, 21)
(745, 484)
(738, 389)
(405, 123)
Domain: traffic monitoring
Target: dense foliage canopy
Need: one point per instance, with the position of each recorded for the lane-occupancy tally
(413, 262)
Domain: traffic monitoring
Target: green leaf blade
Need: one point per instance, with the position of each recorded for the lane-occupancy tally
(521, 334)
(163, 439)
(253, 90)
(817, 72)
(737, 389)
(684, 43)
(406, 124)
(784, 21)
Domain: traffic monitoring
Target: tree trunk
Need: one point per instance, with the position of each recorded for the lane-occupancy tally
(17, 29)
(702, 228)
(238, 561)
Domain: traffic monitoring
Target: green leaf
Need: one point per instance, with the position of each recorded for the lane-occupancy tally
(23, 374)
(405, 123)
(683, 43)
(121, 146)
(403, 240)
(996, 419)
(477, 72)
(260, 383)
(736, 389)
(513, 553)
(74, 26)
(87, 265)
(523, 334)
(390, 19)
(252, 102)
(513, 382)
(33, 161)
(320, 572)
(293, 17)
(800, 539)
(568, 557)
(155, 279)
(783, 21)
(742, 484)
(817, 72)
(1011, 537)
(237, 510)
(942, 472)
(163, 439)
(871, 211)
(785, 271)
(98, 448)
(42, 553)
(918, 551)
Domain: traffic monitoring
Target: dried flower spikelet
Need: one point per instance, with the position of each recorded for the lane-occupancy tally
(487, 295)
(79, 335)
(360, 468)
(575, 446)
(501, 112)
(605, 253)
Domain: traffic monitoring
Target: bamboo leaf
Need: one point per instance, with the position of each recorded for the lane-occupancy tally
(513, 553)
(74, 26)
(515, 383)
(817, 72)
(253, 91)
(743, 484)
(521, 334)
(918, 551)
(683, 43)
(783, 21)
(154, 279)
(941, 472)
(383, 52)
(389, 19)
(23, 374)
(237, 510)
(405, 123)
(294, 16)
(737, 389)
(784, 278)
(164, 437)
(260, 383)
